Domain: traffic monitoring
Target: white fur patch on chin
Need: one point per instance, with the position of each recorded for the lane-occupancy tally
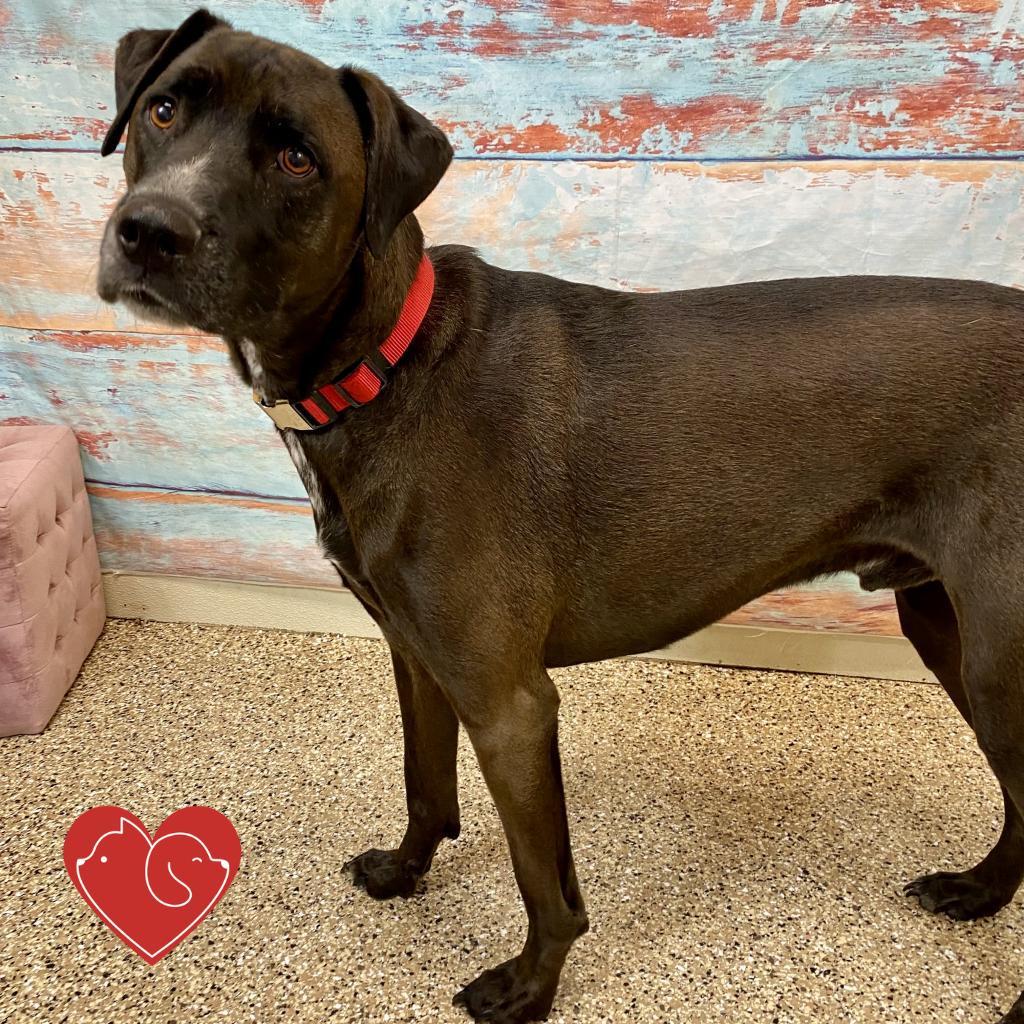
(154, 314)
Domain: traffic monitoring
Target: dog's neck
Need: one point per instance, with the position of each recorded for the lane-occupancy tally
(350, 323)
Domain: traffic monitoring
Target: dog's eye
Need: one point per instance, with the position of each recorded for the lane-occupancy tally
(296, 161)
(163, 112)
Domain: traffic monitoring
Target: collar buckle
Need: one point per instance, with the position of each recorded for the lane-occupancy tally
(283, 414)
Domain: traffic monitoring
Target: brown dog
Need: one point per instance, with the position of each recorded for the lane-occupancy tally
(558, 473)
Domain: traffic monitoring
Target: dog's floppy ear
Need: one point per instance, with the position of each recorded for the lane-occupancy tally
(406, 155)
(141, 56)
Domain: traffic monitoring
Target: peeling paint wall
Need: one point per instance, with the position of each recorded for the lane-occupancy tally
(646, 145)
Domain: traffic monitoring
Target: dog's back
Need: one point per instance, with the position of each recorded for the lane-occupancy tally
(696, 449)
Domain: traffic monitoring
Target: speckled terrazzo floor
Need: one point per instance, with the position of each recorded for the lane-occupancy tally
(741, 839)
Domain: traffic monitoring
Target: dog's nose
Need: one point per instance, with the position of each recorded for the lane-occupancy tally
(154, 235)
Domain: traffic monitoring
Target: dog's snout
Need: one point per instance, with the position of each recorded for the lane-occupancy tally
(153, 235)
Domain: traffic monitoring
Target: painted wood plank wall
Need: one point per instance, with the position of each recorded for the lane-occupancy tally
(644, 145)
(652, 78)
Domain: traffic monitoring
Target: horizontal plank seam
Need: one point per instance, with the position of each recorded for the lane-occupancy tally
(650, 158)
(212, 491)
(120, 332)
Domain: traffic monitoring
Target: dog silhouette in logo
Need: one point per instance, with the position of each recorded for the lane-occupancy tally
(151, 893)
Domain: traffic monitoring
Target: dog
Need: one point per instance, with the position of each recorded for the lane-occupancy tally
(513, 472)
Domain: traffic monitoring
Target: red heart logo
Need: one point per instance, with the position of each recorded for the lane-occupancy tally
(152, 893)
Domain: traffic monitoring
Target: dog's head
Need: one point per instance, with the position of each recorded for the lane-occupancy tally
(255, 175)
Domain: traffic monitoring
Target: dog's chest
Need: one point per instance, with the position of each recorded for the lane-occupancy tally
(332, 530)
(307, 474)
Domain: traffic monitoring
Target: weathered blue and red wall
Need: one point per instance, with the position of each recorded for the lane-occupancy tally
(644, 145)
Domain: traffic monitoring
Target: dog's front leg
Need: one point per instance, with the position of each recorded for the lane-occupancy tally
(514, 730)
(431, 732)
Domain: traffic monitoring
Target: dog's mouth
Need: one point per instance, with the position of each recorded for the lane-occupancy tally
(147, 302)
(143, 296)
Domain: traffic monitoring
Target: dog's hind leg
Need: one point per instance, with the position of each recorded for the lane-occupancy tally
(929, 622)
(431, 732)
(513, 725)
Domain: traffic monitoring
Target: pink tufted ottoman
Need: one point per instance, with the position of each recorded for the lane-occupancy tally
(51, 600)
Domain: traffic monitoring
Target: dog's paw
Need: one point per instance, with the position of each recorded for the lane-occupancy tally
(383, 874)
(504, 995)
(959, 895)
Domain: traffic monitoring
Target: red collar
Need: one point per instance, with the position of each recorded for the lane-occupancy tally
(363, 381)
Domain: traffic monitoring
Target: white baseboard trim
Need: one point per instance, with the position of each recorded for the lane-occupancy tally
(320, 610)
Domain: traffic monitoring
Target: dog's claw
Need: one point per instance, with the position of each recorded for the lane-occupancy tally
(382, 874)
(959, 895)
(502, 995)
